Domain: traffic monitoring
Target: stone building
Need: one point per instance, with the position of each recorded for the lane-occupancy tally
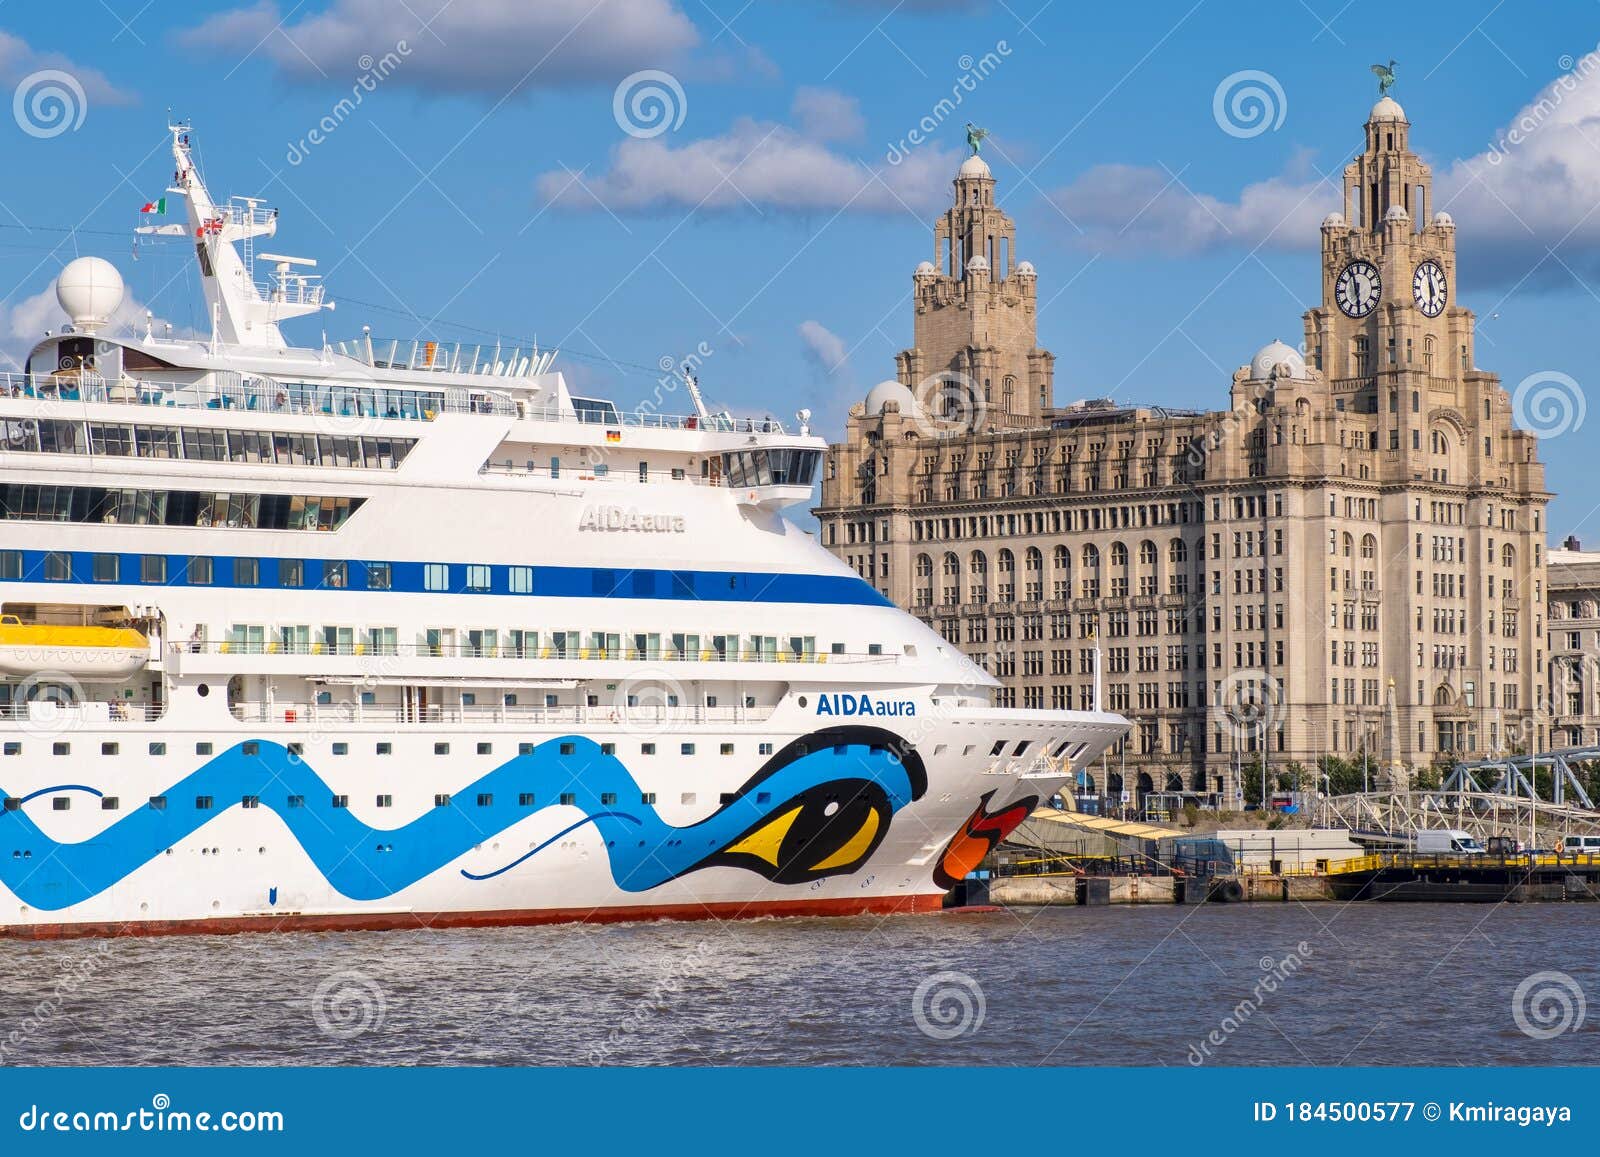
(1574, 646)
(1348, 557)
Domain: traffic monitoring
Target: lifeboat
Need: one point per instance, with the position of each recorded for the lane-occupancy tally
(79, 652)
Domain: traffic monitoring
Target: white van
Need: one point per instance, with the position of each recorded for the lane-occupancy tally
(1450, 841)
(1581, 846)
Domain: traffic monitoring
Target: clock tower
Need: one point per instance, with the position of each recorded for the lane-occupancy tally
(1388, 273)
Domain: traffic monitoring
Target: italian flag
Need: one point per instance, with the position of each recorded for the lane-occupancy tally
(159, 206)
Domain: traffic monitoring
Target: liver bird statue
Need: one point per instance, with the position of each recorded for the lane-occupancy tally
(1385, 75)
(975, 137)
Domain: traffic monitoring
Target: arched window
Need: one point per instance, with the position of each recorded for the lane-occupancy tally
(1008, 562)
(1061, 560)
(1147, 553)
(1091, 557)
(1508, 555)
(924, 566)
(1006, 586)
(1090, 583)
(952, 565)
(924, 592)
(1119, 554)
(1033, 582)
(978, 577)
(1349, 543)
(1061, 573)
(1177, 551)
(1369, 546)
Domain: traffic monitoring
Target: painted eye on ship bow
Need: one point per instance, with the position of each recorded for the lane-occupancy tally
(828, 830)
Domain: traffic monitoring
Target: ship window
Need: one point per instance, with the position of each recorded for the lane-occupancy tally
(521, 579)
(291, 573)
(525, 799)
(442, 799)
(435, 576)
(246, 572)
(686, 749)
(341, 801)
(108, 749)
(109, 803)
(57, 567)
(608, 749)
(105, 568)
(378, 576)
(524, 749)
(297, 749)
(250, 801)
(569, 748)
(727, 749)
(485, 749)
(12, 747)
(477, 577)
(252, 748)
(200, 571)
(158, 803)
(647, 749)
(202, 803)
(297, 801)
(10, 564)
(1022, 747)
(61, 803)
(999, 746)
(341, 749)
(648, 797)
(568, 799)
(153, 568)
(763, 797)
(13, 803)
(555, 467)
(441, 749)
(385, 748)
(485, 799)
(336, 575)
(728, 797)
(202, 748)
(764, 749)
(385, 801)
(608, 798)
(61, 748)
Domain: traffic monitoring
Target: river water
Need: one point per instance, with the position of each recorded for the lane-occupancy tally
(1325, 984)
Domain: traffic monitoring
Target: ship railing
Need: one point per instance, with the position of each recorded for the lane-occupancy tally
(50, 719)
(532, 654)
(423, 356)
(645, 721)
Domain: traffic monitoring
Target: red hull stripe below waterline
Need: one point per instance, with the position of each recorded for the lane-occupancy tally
(389, 921)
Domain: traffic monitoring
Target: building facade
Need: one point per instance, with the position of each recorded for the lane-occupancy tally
(1574, 646)
(1347, 558)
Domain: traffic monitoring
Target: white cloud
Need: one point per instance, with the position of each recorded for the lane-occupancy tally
(18, 60)
(483, 46)
(23, 325)
(824, 348)
(1525, 208)
(825, 114)
(757, 166)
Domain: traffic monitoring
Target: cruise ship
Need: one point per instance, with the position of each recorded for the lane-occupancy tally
(404, 633)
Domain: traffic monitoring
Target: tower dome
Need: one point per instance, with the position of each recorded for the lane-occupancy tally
(1333, 221)
(925, 269)
(890, 391)
(1272, 355)
(974, 166)
(1397, 213)
(1443, 220)
(978, 264)
(90, 290)
(1387, 109)
(1025, 269)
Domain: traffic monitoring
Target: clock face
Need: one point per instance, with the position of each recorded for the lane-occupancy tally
(1428, 287)
(1358, 288)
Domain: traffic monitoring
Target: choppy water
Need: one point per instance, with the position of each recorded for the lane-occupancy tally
(1379, 984)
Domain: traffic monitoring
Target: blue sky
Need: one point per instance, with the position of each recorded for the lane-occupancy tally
(487, 179)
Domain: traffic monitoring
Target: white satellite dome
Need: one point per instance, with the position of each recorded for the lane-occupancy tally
(1025, 269)
(1333, 221)
(1387, 109)
(1272, 355)
(978, 264)
(1397, 213)
(1443, 220)
(890, 391)
(925, 269)
(974, 166)
(90, 290)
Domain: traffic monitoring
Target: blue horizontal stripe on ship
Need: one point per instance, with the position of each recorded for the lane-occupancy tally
(547, 581)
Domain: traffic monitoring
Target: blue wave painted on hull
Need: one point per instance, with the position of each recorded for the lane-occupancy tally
(367, 863)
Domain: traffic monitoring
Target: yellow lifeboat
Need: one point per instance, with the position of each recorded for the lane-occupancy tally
(81, 652)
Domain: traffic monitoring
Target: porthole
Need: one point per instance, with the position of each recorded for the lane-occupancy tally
(203, 690)
(801, 700)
